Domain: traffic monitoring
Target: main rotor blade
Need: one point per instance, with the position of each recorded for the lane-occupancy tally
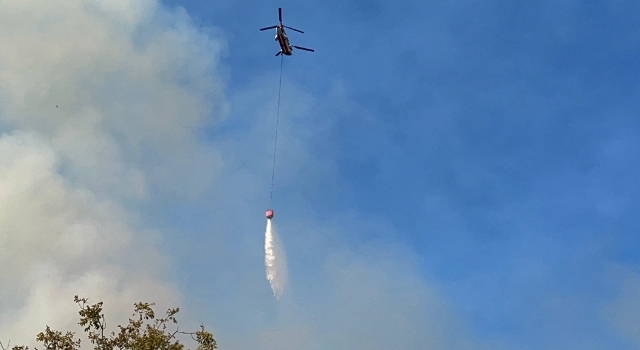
(280, 14)
(297, 30)
(303, 48)
(265, 28)
(278, 54)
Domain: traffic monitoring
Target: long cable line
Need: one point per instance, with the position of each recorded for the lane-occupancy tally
(275, 143)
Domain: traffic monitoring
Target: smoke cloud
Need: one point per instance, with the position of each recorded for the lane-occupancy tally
(100, 102)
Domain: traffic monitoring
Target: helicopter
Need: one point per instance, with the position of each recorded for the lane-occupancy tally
(283, 40)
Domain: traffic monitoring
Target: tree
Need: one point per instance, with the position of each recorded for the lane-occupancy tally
(144, 331)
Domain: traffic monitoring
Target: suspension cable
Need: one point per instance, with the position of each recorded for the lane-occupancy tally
(275, 143)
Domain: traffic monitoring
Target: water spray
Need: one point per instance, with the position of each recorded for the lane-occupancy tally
(274, 261)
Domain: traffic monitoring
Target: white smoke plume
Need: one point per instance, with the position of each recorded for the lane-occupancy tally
(275, 261)
(100, 104)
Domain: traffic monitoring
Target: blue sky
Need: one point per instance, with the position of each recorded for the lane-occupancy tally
(457, 175)
(496, 140)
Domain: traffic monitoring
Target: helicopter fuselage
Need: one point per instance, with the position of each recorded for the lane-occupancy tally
(283, 40)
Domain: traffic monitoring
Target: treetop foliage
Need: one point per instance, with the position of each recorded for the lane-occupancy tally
(143, 332)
